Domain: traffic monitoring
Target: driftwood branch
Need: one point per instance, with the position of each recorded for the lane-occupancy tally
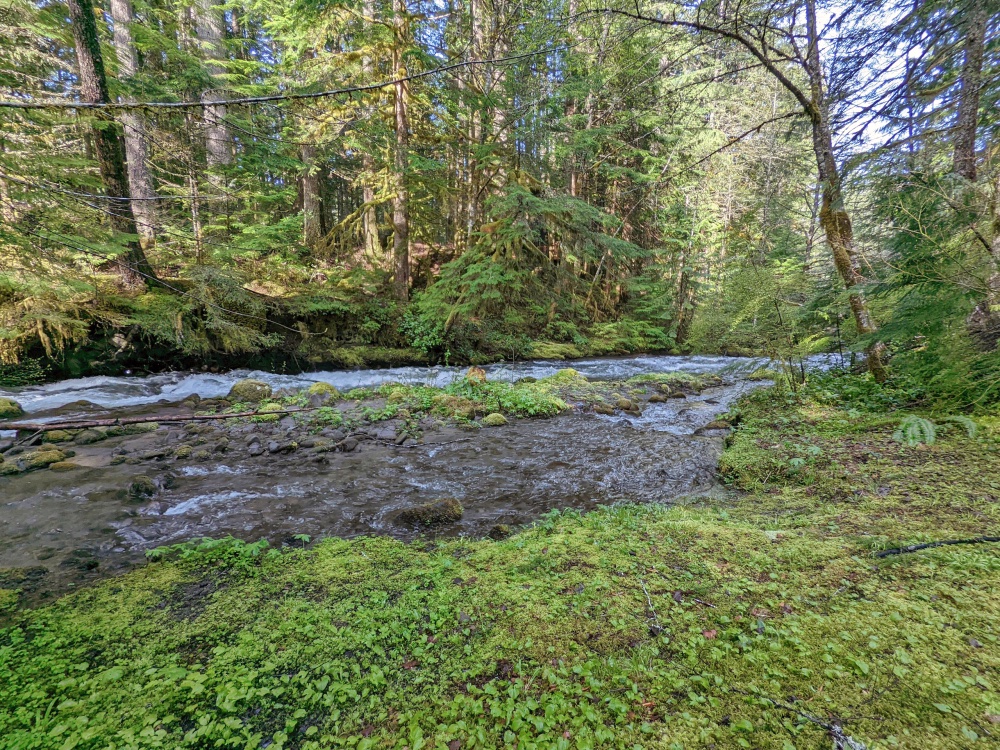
(947, 542)
(82, 424)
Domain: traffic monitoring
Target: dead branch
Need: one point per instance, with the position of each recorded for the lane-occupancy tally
(929, 545)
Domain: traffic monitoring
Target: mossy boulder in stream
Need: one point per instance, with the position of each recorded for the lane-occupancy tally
(141, 487)
(86, 437)
(496, 419)
(36, 459)
(323, 389)
(10, 409)
(249, 390)
(446, 510)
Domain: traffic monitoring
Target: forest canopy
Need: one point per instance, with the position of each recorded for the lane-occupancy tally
(299, 184)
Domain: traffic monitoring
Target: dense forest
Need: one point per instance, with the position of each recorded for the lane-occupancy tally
(298, 184)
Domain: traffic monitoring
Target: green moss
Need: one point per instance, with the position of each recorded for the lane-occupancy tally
(553, 350)
(494, 420)
(448, 510)
(10, 409)
(249, 391)
(323, 389)
(266, 412)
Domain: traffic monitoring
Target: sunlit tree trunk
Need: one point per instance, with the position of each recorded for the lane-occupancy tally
(968, 98)
(211, 30)
(133, 123)
(133, 267)
(369, 220)
(833, 216)
(400, 202)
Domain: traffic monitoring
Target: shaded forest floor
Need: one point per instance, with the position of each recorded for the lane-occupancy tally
(758, 623)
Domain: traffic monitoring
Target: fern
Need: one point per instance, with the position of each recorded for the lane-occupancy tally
(971, 428)
(914, 430)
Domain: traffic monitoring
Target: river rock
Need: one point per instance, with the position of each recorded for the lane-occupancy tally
(287, 423)
(658, 398)
(255, 438)
(183, 451)
(325, 391)
(348, 444)
(201, 455)
(499, 531)
(249, 390)
(59, 436)
(446, 510)
(141, 487)
(10, 409)
(388, 434)
(256, 449)
(496, 419)
(603, 409)
(333, 434)
(40, 458)
(717, 424)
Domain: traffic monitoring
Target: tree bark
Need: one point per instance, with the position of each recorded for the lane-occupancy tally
(369, 220)
(211, 30)
(833, 215)
(312, 202)
(400, 203)
(964, 163)
(133, 267)
(136, 148)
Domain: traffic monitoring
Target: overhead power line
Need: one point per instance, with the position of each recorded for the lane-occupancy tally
(274, 97)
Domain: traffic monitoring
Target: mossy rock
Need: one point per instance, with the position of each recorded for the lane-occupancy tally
(475, 376)
(141, 487)
(59, 436)
(183, 451)
(658, 398)
(86, 437)
(201, 455)
(496, 419)
(10, 409)
(446, 510)
(40, 459)
(566, 376)
(499, 531)
(323, 389)
(603, 409)
(249, 391)
(63, 466)
(553, 350)
(453, 406)
(267, 412)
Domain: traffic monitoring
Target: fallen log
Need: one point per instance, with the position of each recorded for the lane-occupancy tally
(83, 424)
(929, 545)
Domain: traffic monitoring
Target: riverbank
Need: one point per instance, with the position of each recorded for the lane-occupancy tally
(761, 623)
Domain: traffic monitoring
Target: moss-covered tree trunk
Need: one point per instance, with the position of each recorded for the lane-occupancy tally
(400, 203)
(133, 266)
(133, 123)
(833, 214)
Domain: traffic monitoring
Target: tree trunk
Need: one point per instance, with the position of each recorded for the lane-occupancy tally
(133, 266)
(968, 99)
(984, 322)
(211, 30)
(833, 215)
(369, 220)
(400, 203)
(136, 149)
(312, 202)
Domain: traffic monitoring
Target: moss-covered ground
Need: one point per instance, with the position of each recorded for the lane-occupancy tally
(758, 623)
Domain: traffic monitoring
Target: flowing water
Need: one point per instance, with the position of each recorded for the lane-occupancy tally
(82, 523)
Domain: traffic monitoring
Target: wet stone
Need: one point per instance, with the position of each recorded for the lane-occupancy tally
(141, 487)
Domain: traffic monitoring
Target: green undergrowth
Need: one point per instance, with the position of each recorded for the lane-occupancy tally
(745, 625)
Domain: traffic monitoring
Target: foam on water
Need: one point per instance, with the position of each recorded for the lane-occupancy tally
(132, 391)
